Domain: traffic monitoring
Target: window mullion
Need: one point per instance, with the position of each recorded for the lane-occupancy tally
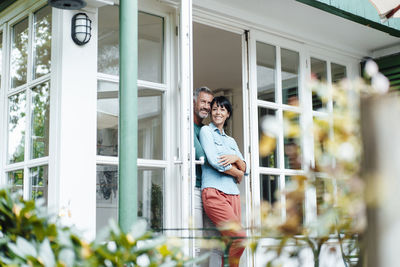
(278, 75)
(26, 184)
(308, 143)
(27, 139)
(280, 141)
(282, 185)
(6, 84)
(2, 106)
(330, 87)
(29, 67)
(27, 193)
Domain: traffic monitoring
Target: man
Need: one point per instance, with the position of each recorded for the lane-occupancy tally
(202, 98)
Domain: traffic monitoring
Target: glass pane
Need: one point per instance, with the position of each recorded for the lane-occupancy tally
(1, 55)
(150, 135)
(321, 131)
(338, 72)
(150, 45)
(272, 159)
(40, 120)
(269, 184)
(16, 180)
(150, 195)
(290, 77)
(19, 53)
(42, 42)
(324, 191)
(266, 71)
(16, 127)
(106, 195)
(318, 69)
(108, 40)
(107, 118)
(39, 176)
(292, 146)
(319, 72)
(294, 202)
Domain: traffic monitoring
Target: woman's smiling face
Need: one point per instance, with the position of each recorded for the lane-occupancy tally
(219, 115)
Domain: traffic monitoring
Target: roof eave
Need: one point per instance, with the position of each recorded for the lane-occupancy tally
(350, 16)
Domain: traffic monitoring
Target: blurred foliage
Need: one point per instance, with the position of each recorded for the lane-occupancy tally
(334, 176)
(30, 237)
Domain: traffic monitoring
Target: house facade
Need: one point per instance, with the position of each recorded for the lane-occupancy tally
(59, 106)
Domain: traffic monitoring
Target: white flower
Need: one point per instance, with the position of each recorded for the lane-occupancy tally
(346, 152)
(380, 83)
(143, 260)
(112, 246)
(371, 68)
(270, 126)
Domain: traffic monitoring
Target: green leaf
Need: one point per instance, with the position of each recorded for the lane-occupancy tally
(149, 244)
(63, 238)
(114, 227)
(23, 248)
(46, 254)
(14, 249)
(102, 236)
(138, 229)
(67, 256)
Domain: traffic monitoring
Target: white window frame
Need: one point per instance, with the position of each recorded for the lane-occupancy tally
(304, 109)
(169, 126)
(9, 20)
(3, 110)
(255, 103)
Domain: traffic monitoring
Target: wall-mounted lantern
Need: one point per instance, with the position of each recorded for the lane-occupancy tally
(67, 4)
(81, 27)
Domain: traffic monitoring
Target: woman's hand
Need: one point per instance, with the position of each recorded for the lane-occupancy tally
(239, 177)
(225, 160)
(235, 173)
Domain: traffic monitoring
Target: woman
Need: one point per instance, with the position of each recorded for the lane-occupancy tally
(221, 173)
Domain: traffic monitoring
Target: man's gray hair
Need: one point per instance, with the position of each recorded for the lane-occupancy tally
(204, 89)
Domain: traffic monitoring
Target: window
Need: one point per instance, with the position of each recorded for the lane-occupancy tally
(27, 92)
(151, 133)
(281, 97)
(278, 79)
(322, 107)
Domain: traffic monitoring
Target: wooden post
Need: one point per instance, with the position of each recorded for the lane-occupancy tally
(380, 117)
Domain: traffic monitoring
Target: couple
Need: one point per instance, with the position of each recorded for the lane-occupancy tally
(223, 169)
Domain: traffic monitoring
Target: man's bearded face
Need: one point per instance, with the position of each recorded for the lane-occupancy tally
(202, 105)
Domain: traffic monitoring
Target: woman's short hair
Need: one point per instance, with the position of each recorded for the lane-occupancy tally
(222, 101)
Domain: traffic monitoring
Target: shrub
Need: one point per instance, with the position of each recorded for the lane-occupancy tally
(31, 237)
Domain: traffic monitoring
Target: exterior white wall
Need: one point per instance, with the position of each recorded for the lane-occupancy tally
(72, 183)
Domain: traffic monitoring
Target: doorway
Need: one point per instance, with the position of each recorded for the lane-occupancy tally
(218, 64)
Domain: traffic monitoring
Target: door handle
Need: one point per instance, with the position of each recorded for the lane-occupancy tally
(200, 161)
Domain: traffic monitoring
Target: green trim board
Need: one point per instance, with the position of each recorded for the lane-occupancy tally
(359, 11)
(6, 3)
(390, 67)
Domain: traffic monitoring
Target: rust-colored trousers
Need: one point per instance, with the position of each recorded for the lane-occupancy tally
(222, 208)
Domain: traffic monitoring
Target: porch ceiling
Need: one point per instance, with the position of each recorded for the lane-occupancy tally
(306, 23)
